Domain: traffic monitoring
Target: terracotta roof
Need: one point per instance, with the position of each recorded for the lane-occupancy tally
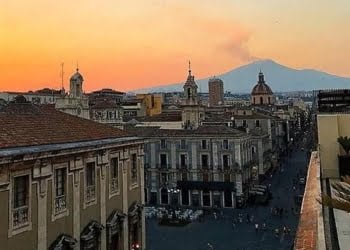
(164, 117)
(307, 233)
(104, 104)
(226, 117)
(24, 124)
(201, 131)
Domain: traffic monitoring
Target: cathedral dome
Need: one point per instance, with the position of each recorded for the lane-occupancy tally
(261, 88)
(77, 76)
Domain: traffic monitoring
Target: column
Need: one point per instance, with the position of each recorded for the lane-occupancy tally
(125, 205)
(142, 188)
(42, 214)
(76, 207)
(103, 169)
(194, 161)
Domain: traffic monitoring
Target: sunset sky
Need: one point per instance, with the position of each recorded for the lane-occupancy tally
(130, 44)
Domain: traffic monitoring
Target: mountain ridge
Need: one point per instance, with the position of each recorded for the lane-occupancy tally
(279, 77)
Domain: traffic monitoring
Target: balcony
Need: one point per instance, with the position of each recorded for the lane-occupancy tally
(163, 166)
(20, 216)
(90, 193)
(60, 204)
(114, 184)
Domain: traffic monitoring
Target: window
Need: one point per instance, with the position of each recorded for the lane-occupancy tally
(20, 201)
(162, 143)
(257, 123)
(205, 161)
(225, 161)
(163, 178)
(225, 144)
(114, 175)
(163, 161)
(204, 144)
(134, 168)
(244, 123)
(183, 144)
(90, 182)
(60, 189)
(183, 161)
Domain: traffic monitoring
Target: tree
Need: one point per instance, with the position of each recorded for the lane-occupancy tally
(341, 198)
(345, 143)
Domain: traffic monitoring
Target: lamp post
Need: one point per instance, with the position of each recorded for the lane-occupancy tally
(172, 192)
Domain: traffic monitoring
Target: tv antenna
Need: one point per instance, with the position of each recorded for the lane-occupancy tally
(62, 76)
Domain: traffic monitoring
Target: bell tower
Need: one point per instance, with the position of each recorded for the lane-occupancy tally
(192, 112)
(76, 84)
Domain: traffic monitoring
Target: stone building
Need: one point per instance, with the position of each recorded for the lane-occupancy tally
(216, 92)
(107, 112)
(262, 93)
(211, 165)
(76, 103)
(41, 96)
(67, 182)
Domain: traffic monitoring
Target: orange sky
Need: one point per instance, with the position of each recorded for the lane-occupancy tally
(134, 44)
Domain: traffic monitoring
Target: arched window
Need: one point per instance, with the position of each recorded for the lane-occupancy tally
(189, 93)
(269, 100)
(261, 100)
(254, 100)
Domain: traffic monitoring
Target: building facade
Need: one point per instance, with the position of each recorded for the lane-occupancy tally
(211, 166)
(68, 183)
(216, 92)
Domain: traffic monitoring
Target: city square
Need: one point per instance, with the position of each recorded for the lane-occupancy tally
(221, 234)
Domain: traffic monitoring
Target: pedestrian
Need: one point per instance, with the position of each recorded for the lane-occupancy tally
(215, 215)
(256, 227)
(248, 218)
(264, 226)
(252, 218)
(277, 232)
(284, 229)
(272, 210)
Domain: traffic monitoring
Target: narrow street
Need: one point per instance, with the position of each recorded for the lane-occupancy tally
(223, 235)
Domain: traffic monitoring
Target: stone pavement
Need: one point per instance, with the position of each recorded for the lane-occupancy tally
(221, 233)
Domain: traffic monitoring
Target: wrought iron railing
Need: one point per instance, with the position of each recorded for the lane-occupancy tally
(60, 203)
(20, 216)
(90, 192)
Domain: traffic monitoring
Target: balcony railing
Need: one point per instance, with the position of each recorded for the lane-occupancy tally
(20, 216)
(163, 166)
(114, 184)
(90, 192)
(60, 203)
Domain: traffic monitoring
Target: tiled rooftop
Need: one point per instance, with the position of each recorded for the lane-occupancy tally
(25, 124)
(307, 236)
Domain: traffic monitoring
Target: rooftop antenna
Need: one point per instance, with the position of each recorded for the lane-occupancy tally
(62, 75)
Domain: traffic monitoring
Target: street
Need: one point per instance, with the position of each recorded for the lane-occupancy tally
(225, 234)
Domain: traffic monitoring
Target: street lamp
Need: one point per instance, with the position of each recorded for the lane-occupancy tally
(172, 192)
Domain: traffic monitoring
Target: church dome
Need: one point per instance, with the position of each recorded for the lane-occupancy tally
(261, 88)
(77, 76)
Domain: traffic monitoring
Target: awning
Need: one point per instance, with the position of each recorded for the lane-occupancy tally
(210, 186)
(63, 241)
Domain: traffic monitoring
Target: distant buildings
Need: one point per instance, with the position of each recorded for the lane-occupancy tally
(216, 92)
